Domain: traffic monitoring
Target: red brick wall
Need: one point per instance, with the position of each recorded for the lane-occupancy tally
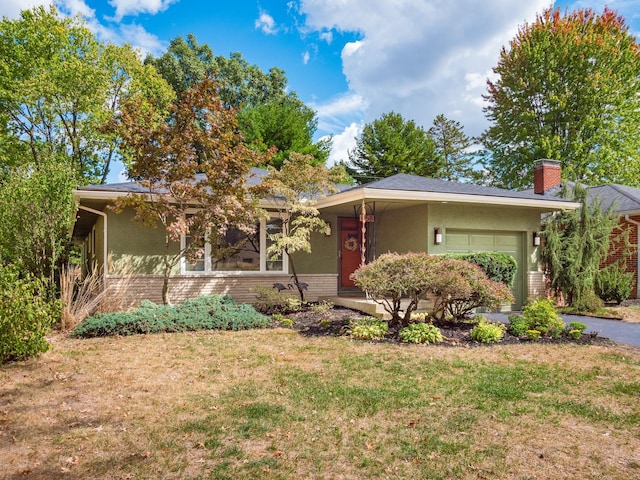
(615, 249)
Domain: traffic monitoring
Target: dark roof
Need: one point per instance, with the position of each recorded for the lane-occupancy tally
(134, 187)
(414, 183)
(623, 198)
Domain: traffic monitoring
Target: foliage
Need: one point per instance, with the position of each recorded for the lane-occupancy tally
(460, 287)
(567, 88)
(58, 89)
(368, 329)
(577, 326)
(192, 167)
(285, 124)
(219, 312)
(613, 283)
(292, 191)
(541, 315)
(588, 303)
(391, 145)
(533, 334)
(421, 333)
(392, 277)
(452, 148)
(37, 213)
(518, 325)
(26, 314)
(576, 243)
(499, 267)
(271, 301)
(487, 332)
(268, 114)
(322, 307)
(574, 334)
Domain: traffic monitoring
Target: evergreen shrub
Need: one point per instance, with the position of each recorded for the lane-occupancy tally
(212, 312)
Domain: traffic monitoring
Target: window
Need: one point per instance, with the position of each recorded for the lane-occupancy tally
(237, 251)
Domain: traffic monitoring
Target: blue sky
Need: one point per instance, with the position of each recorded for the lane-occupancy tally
(350, 60)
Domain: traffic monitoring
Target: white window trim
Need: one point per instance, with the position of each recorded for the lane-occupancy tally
(263, 256)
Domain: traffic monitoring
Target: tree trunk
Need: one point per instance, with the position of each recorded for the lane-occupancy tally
(295, 277)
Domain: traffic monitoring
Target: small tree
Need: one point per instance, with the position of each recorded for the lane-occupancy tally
(292, 190)
(452, 147)
(393, 277)
(193, 167)
(576, 244)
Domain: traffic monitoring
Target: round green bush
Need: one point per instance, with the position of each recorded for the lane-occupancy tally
(541, 315)
(487, 332)
(368, 329)
(421, 333)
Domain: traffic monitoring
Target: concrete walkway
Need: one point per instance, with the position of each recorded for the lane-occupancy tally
(616, 330)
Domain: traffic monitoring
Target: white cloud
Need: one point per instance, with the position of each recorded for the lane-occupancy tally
(326, 37)
(342, 143)
(266, 23)
(305, 57)
(11, 8)
(421, 57)
(134, 7)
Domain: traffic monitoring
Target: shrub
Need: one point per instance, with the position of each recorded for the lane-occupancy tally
(393, 277)
(518, 326)
(219, 312)
(575, 334)
(533, 334)
(577, 326)
(421, 333)
(487, 332)
(368, 329)
(541, 315)
(269, 301)
(25, 315)
(323, 307)
(588, 302)
(613, 284)
(460, 287)
(499, 267)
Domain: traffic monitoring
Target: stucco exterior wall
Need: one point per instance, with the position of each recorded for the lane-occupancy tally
(401, 230)
(323, 257)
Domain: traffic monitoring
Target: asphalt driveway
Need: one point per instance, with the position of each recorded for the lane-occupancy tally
(616, 330)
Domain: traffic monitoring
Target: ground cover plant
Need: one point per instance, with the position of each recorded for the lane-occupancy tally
(275, 404)
(218, 312)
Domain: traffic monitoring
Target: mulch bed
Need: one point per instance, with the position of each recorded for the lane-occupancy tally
(335, 322)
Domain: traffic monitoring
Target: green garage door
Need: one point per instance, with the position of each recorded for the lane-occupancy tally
(457, 241)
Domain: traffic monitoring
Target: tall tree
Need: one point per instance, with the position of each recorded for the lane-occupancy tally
(59, 85)
(391, 145)
(286, 124)
(452, 147)
(568, 89)
(269, 115)
(576, 245)
(193, 167)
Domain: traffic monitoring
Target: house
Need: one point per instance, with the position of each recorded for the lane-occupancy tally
(399, 214)
(624, 200)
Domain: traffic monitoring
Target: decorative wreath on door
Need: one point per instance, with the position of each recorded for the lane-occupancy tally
(351, 244)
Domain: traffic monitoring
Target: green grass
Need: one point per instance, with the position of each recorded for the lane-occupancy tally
(275, 405)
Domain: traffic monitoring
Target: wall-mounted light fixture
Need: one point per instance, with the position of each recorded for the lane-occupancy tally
(437, 236)
(536, 239)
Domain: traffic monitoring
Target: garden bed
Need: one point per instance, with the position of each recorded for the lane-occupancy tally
(335, 322)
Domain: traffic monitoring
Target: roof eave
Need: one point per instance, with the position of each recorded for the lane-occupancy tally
(381, 194)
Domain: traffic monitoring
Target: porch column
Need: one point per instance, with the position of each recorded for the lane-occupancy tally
(363, 230)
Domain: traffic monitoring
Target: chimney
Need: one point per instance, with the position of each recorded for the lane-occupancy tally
(546, 175)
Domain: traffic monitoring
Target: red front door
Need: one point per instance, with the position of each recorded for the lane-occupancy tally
(349, 250)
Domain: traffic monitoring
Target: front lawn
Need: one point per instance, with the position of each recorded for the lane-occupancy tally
(276, 404)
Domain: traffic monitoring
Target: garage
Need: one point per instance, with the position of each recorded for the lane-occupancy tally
(463, 241)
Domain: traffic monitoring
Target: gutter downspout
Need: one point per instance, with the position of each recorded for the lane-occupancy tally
(637, 224)
(105, 267)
